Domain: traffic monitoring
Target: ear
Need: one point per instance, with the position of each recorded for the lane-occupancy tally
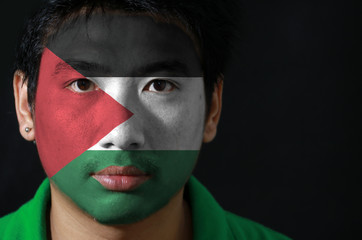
(23, 111)
(214, 111)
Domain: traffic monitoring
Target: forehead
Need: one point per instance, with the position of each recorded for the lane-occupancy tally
(125, 46)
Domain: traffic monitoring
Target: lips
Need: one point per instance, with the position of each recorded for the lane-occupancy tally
(121, 179)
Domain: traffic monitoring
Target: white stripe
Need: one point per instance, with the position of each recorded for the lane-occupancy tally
(111, 85)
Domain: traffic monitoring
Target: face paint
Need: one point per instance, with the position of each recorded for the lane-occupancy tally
(124, 131)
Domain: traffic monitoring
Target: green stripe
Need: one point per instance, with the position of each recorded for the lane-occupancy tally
(170, 170)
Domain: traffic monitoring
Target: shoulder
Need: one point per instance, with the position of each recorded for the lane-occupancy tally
(11, 224)
(29, 221)
(5, 222)
(243, 228)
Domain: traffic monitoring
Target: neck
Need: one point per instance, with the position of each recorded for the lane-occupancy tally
(67, 221)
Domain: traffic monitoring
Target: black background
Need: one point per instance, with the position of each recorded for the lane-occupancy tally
(287, 152)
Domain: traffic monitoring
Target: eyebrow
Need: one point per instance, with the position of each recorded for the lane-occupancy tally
(172, 66)
(81, 66)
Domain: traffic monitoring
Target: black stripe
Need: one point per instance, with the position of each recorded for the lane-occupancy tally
(126, 46)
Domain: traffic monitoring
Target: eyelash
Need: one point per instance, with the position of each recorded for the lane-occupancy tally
(172, 84)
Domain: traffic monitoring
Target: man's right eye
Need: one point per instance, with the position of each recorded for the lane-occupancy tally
(82, 85)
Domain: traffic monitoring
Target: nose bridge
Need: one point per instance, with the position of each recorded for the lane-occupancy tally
(129, 135)
(122, 89)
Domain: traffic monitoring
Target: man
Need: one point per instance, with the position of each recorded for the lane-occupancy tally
(119, 96)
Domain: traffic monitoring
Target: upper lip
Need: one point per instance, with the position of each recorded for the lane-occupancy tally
(121, 171)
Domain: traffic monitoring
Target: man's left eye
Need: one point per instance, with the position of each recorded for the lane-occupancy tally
(160, 85)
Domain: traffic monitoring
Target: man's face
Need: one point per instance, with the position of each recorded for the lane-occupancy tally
(119, 117)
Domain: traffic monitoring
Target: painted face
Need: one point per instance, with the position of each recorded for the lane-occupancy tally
(119, 114)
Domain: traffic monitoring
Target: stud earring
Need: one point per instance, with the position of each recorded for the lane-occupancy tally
(27, 129)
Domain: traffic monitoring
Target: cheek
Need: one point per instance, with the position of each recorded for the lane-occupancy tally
(178, 123)
(64, 120)
(188, 127)
(67, 125)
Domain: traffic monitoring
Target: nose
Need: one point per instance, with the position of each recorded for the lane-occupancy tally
(129, 135)
(126, 136)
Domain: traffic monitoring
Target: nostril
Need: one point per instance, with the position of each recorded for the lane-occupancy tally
(108, 145)
(133, 145)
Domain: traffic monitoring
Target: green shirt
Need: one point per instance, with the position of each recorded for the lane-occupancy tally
(210, 221)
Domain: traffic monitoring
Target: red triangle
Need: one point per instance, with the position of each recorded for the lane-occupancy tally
(68, 123)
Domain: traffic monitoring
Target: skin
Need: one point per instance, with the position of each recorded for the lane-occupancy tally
(175, 112)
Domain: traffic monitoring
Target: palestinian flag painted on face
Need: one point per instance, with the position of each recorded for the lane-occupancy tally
(119, 114)
(110, 184)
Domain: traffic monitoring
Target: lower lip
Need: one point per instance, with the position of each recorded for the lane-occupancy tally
(121, 183)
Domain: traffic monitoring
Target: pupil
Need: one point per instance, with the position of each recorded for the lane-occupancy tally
(83, 84)
(159, 85)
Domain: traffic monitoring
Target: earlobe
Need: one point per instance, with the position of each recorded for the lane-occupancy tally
(214, 112)
(23, 111)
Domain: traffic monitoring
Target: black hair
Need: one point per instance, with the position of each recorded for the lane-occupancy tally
(211, 22)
